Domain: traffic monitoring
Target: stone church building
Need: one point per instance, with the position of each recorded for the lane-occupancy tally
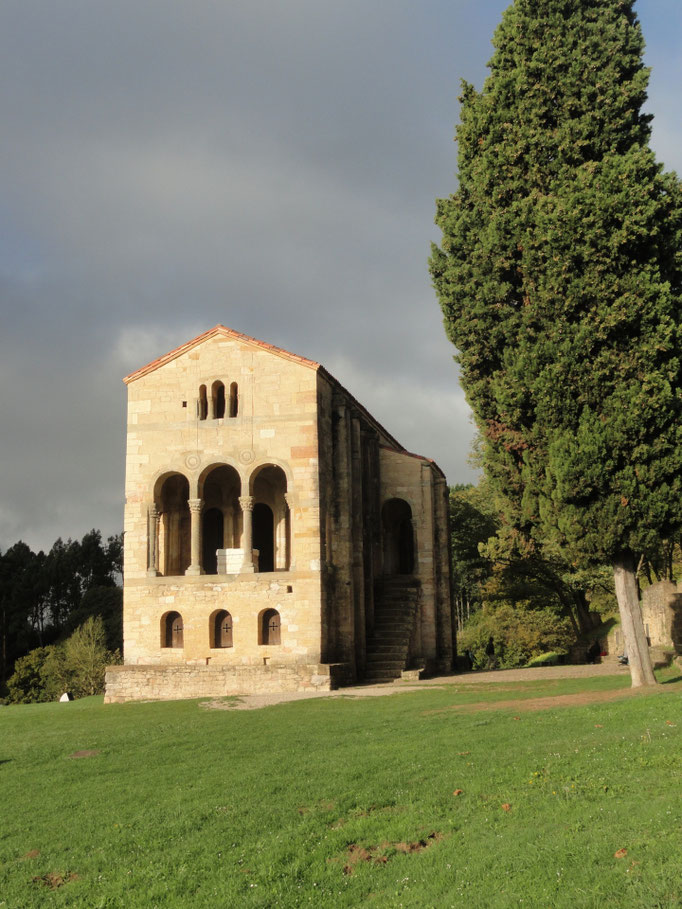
(277, 537)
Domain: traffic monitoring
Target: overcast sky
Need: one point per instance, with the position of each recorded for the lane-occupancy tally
(268, 164)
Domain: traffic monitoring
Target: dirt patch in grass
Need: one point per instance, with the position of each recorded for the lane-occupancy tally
(380, 855)
(31, 854)
(84, 754)
(579, 699)
(225, 703)
(53, 880)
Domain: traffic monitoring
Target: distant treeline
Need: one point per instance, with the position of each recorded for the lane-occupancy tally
(45, 596)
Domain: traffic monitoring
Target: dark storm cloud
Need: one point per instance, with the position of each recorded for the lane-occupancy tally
(271, 166)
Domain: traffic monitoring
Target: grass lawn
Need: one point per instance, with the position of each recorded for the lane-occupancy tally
(346, 802)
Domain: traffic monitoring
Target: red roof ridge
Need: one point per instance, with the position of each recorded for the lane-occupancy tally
(204, 336)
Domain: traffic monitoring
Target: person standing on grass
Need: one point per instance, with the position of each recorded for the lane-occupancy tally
(490, 653)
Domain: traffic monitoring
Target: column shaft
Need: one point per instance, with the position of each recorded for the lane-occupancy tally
(152, 541)
(246, 503)
(195, 536)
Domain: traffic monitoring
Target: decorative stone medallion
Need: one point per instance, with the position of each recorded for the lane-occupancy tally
(192, 461)
(247, 456)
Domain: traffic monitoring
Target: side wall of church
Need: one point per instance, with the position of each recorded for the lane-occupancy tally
(349, 466)
(360, 474)
(275, 427)
(417, 482)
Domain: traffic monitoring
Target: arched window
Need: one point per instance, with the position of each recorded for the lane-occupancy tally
(269, 627)
(234, 400)
(218, 396)
(203, 403)
(396, 523)
(172, 633)
(221, 629)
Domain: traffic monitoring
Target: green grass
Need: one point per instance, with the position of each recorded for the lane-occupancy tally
(189, 807)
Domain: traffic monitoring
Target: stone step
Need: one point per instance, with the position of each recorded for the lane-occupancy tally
(390, 639)
(394, 615)
(386, 665)
(382, 675)
(401, 626)
(397, 598)
(388, 646)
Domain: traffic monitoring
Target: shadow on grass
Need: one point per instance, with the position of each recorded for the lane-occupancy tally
(677, 678)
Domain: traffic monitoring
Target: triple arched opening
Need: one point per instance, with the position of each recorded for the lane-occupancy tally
(222, 526)
(215, 403)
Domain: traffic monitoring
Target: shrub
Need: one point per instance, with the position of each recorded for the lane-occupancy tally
(26, 685)
(546, 659)
(76, 665)
(86, 658)
(518, 632)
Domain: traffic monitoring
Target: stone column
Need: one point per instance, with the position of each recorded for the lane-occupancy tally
(246, 505)
(195, 536)
(152, 542)
(210, 400)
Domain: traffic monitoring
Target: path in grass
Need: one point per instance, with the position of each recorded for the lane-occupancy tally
(496, 677)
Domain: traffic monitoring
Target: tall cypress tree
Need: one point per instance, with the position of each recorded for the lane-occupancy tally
(560, 279)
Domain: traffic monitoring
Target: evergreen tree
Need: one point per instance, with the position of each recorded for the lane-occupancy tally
(559, 276)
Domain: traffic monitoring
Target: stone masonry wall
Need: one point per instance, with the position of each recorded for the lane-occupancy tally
(164, 683)
(295, 597)
(662, 615)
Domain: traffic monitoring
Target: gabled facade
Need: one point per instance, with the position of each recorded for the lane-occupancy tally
(276, 536)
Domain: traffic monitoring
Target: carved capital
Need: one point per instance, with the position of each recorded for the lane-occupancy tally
(246, 503)
(195, 505)
(287, 499)
(153, 512)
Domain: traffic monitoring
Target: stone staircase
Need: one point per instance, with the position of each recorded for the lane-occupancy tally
(395, 607)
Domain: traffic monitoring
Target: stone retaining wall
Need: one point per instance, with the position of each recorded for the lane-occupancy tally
(168, 683)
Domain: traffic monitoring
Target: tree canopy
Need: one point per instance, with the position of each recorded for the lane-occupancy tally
(560, 276)
(44, 596)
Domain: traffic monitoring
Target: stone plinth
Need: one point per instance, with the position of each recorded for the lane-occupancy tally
(232, 561)
(167, 683)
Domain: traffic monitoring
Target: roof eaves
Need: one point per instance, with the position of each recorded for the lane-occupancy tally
(225, 332)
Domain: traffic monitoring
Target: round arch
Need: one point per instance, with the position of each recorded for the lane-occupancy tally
(398, 537)
(269, 627)
(268, 485)
(220, 486)
(172, 630)
(171, 497)
(265, 463)
(160, 478)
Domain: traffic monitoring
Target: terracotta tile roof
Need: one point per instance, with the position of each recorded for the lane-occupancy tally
(226, 332)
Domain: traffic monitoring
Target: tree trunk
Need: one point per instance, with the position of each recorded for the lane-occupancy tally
(587, 619)
(641, 670)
